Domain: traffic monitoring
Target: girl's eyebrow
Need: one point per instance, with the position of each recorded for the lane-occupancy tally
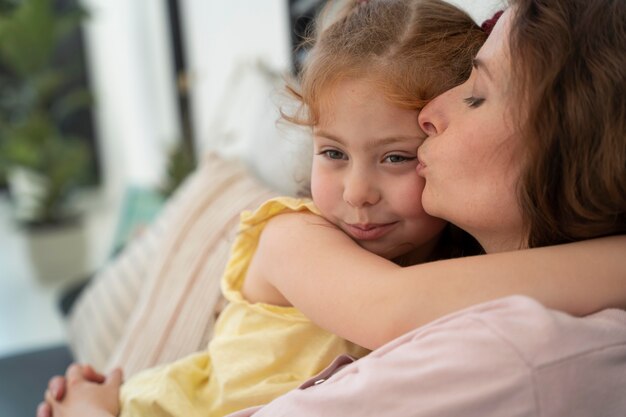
(375, 143)
(324, 134)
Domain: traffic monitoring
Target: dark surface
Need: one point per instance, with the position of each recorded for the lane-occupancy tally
(69, 296)
(24, 378)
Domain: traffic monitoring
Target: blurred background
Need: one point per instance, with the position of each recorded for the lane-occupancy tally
(105, 107)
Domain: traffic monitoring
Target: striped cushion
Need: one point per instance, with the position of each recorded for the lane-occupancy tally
(156, 302)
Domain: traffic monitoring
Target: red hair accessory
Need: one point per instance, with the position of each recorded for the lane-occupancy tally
(488, 24)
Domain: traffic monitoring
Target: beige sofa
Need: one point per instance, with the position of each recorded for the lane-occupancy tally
(156, 302)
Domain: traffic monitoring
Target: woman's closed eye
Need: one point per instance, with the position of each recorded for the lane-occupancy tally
(474, 102)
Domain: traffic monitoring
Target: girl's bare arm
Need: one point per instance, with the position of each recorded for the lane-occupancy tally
(370, 301)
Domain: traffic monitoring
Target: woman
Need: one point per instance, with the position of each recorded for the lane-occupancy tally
(563, 60)
(546, 171)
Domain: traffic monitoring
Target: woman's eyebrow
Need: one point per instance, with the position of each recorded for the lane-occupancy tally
(479, 64)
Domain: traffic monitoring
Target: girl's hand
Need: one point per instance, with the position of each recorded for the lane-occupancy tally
(82, 391)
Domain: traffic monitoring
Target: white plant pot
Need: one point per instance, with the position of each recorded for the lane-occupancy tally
(58, 253)
(27, 190)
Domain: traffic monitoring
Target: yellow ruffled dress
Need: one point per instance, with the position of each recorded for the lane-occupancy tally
(259, 351)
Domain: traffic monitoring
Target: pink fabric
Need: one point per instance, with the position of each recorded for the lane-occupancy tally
(509, 357)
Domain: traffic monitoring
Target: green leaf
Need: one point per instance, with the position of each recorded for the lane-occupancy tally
(27, 36)
(36, 97)
(30, 34)
(71, 103)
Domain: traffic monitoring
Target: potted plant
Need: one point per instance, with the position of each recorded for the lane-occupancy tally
(42, 162)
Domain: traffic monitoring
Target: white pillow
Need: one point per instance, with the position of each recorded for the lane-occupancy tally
(248, 128)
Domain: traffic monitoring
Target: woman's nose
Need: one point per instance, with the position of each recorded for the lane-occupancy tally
(360, 189)
(432, 118)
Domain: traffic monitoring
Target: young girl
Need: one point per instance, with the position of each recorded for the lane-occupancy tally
(363, 182)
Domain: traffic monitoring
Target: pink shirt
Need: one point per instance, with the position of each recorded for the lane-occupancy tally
(509, 357)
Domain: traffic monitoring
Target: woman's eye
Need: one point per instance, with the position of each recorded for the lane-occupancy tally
(397, 159)
(333, 154)
(473, 102)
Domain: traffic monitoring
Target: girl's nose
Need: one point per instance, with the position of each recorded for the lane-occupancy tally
(360, 190)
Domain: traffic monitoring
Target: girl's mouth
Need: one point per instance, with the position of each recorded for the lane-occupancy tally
(369, 231)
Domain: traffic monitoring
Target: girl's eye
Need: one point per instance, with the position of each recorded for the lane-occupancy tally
(398, 159)
(473, 102)
(333, 154)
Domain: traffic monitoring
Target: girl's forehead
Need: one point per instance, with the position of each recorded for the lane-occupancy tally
(359, 87)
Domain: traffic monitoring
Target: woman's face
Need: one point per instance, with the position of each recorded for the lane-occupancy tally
(471, 160)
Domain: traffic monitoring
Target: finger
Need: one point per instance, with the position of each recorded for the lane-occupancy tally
(115, 377)
(49, 398)
(74, 372)
(92, 375)
(44, 410)
(56, 386)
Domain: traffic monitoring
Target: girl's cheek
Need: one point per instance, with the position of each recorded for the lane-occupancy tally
(320, 188)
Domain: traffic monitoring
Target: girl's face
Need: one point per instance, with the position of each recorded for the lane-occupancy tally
(363, 177)
(471, 160)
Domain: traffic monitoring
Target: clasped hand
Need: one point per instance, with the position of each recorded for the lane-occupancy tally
(82, 392)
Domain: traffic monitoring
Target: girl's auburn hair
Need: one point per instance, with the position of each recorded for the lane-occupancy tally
(412, 50)
(568, 60)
